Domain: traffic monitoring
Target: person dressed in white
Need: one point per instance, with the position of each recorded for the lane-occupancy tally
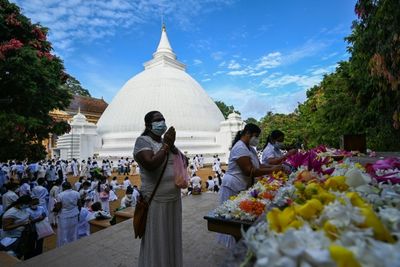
(128, 200)
(243, 166)
(25, 188)
(83, 225)
(272, 153)
(67, 202)
(10, 196)
(40, 192)
(210, 184)
(54, 191)
(195, 181)
(74, 167)
(84, 169)
(127, 183)
(114, 184)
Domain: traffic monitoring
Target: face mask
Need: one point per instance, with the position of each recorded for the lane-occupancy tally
(24, 207)
(254, 141)
(129, 196)
(158, 128)
(278, 145)
(34, 207)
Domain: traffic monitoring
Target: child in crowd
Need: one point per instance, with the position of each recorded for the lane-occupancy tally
(114, 183)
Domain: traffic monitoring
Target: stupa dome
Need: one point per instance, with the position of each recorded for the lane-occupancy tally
(165, 86)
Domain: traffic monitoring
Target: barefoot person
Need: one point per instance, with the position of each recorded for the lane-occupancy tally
(161, 244)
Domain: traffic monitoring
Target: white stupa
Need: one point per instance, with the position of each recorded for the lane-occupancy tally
(165, 86)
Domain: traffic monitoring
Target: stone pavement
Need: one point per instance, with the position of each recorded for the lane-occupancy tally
(116, 245)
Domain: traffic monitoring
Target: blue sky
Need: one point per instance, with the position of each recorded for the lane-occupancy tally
(259, 55)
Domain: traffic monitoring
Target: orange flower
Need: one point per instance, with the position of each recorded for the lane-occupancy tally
(252, 206)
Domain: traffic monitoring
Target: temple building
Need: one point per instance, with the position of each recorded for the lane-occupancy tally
(164, 85)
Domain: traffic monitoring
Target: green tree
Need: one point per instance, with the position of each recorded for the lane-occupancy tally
(75, 87)
(252, 120)
(30, 81)
(225, 109)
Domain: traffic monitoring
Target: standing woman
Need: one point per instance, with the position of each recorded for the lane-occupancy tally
(67, 204)
(161, 244)
(243, 166)
(272, 153)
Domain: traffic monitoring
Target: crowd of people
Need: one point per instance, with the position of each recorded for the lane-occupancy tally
(40, 192)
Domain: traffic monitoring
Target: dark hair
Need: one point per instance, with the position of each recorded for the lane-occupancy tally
(66, 185)
(41, 181)
(25, 199)
(129, 190)
(11, 186)
(96, 206)
(275, 134)
(148, 120)
(250, 128)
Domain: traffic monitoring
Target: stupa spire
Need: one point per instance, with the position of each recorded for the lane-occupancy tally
(164, 47)
(164, 54)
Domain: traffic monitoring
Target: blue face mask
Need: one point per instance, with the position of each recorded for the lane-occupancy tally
(158, 128)
(278, 145)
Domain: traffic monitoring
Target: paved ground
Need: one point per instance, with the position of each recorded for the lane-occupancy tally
(116, 246)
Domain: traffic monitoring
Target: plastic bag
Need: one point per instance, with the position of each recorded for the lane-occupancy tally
(43, 229)
(180, 171)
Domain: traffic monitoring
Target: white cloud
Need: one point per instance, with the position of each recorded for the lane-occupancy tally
(197, 62)
(303, 81)
(254, 103)
(260, 73)
(233, 65)
(218, 55)
(237, 72)
(206, 80)
(70, 21)
(272, 60)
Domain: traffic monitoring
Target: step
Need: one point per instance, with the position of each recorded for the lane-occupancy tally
(97, 225)
(6, 260)
(125, 214)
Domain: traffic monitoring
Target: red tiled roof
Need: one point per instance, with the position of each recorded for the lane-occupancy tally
(87, 104)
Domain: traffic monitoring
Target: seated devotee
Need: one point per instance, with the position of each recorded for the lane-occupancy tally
(210, 184)
(10, 196)
(96, 212)
(84, 217)
(128, 200)
(243, 167)
(114, 184)
(16, 224)
(37, 213)
(195, 181)
(272, 153)
(127, 183)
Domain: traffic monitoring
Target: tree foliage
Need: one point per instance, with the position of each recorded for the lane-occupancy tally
(30, 81)
(75, 87)
(225, 109)
(362, 95)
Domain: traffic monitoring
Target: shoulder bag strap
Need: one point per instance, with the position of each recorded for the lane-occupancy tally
(159, 179)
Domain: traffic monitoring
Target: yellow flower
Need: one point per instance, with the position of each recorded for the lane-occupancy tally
(279, 221)
(311, 208)
(232, 197)
(355, 199)
(330, 230)
(343, 257)
(312, 189)
(336, 183)
(372, 221)
(359, 166)
(325, 197)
